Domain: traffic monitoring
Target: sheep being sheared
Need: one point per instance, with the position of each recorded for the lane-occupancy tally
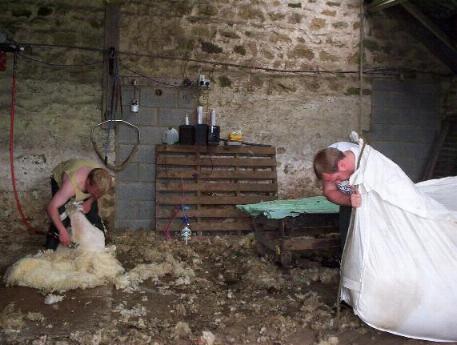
(84, 235)
(88, 264)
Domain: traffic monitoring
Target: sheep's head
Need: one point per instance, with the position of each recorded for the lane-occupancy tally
(73, 206)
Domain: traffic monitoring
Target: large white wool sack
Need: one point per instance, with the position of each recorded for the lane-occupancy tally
(399, 270)
(89, 265)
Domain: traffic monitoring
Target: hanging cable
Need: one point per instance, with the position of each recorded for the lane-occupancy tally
(361, 62)
(369, 71)
(110, 118)
(89, 64)
(113, 101)
(24, 220)
(147, 77)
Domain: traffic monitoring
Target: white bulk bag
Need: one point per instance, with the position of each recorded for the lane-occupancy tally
(399, 271)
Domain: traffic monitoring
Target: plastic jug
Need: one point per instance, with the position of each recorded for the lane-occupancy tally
(170, 136)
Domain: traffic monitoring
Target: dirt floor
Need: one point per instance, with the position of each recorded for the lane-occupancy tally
(222, 293)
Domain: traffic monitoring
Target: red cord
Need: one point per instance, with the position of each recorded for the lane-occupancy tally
(30, 228)
(166, 230)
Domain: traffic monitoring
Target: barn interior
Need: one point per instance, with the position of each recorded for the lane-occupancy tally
(195, 108)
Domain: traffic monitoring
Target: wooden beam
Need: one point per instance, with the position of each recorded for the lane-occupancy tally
(198, 226)
(211, 200)
(249, 150)
(432, 27)
(111, 40)
(226, 212)
(216, 175)
(216, 162)
(207, 187)
(379, 5)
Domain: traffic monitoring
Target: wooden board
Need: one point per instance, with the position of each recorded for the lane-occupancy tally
(205, 183)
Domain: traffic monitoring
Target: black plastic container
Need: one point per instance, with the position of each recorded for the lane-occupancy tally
(186, 135)
(201, 134)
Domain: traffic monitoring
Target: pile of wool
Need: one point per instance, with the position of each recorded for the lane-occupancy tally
(88, 265)
(262, 275)
(170, 266)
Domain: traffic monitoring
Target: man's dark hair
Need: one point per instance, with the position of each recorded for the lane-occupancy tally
(326, 161)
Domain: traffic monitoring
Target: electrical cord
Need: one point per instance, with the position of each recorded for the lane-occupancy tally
(24, 220)
(146, 77)
(59, 65)
(373, 71)
(46, 45)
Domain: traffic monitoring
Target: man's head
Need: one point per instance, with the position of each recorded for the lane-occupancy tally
(332, 165)
(98, 182)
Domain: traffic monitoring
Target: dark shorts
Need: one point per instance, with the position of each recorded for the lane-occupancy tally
(344, 220)
(52, 238)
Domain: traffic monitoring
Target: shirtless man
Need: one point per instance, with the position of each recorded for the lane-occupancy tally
(333, 166)
(82, 180)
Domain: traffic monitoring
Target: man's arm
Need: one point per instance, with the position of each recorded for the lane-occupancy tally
(87, 204)
(334, 195)
(58, 200)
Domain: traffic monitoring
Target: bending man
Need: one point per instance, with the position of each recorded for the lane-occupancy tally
(82, 180)
(333, 166)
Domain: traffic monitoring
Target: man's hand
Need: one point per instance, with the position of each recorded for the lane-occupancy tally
(64, 237)
(356, 198)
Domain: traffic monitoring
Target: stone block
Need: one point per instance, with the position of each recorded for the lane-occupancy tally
(127, 135)
(124, 150)
(147, 191)
(126, 224)
(173, 117)
(126, 209)
(159, 97)
(147, 116)
(401, 133)
(126, 191)
(130, 117)
(151, 135)
(187, 98)
(129, 173)
(136, 191)
(390, 85)
(146, 210)
(146, 172)
(146, 153)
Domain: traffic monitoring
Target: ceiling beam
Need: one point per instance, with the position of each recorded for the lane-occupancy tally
(378, 5)
(432, 27)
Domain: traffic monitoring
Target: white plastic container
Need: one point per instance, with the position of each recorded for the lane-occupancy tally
(170, 136)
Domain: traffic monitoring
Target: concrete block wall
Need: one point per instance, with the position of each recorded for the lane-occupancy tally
(160, 107)
(405, 121)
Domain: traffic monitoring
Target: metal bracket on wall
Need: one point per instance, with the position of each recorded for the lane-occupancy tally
(122, 165)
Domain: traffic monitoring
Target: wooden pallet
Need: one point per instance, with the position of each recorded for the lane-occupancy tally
(209, 181)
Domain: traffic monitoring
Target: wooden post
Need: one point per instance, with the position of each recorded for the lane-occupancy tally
(111, 40)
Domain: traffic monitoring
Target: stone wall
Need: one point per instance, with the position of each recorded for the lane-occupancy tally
(283, 71)
(56, 106)
(288, 98)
